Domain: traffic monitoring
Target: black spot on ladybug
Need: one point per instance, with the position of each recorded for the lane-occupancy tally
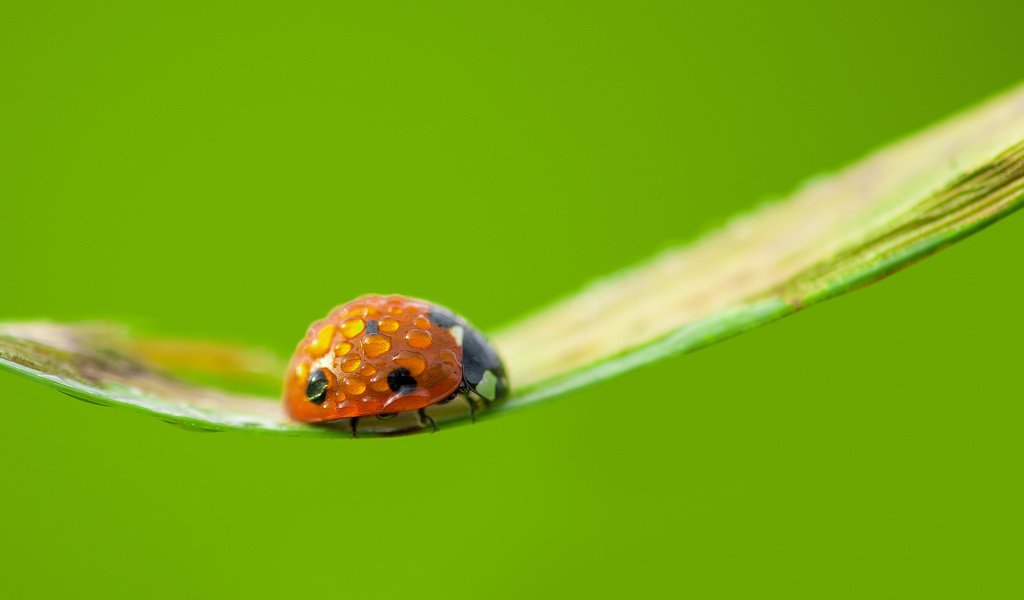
(401, 381)
(316, 387)
(371, 326)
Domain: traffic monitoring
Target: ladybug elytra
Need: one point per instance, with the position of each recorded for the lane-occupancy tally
(390, 356)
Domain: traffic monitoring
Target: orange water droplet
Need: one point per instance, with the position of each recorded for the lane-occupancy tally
(318, 347)
(422, 322)
(411, 361)
(302, 371)
(367, 371)
(388, 325)
(376, 344)
(350, 328)
(363, 310)
(355, 386)
(380, 383)
(448, 356)
(432, 376)
(394, 310)
(350, 363)
(418, 338)
(342, 349)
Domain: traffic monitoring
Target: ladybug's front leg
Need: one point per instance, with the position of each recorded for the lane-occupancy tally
(425, 419)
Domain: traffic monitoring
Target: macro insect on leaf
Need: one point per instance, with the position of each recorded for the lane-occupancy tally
(383, 365)
(379, 362)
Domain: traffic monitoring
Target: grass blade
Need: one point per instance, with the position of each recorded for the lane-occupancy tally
(833, 235)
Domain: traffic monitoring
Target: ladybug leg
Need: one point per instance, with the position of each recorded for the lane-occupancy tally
(472, 404)
(353, 423)
(467, 390)
(426, 419)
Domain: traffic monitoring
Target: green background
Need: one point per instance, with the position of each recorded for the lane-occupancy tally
(232, 171)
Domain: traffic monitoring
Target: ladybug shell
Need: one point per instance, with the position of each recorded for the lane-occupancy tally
(375, 355)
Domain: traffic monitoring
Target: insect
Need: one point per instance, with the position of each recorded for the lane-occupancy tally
(380, 362)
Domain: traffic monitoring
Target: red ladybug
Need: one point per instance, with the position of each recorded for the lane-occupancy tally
(381, 356)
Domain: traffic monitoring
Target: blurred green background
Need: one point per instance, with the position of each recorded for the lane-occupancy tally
(229, 170)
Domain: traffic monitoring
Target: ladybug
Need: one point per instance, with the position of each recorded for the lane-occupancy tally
(391, 356)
